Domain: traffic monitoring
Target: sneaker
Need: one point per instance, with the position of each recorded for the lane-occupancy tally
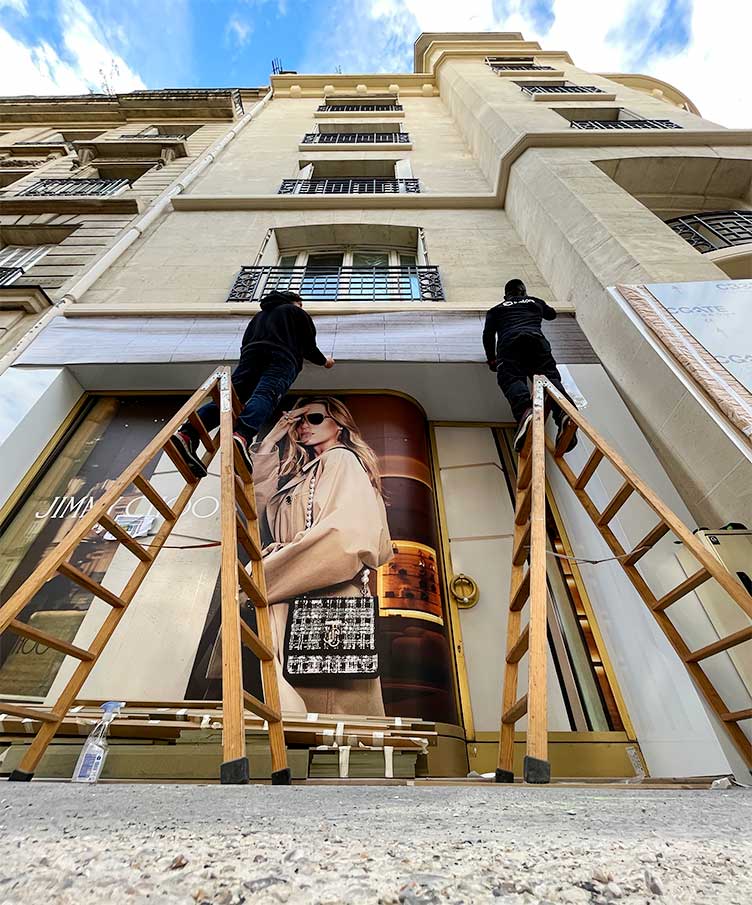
(565, 421)
(186, 446)
(522, 428)
(241, 444)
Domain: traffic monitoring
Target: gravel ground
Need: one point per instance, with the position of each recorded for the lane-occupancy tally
(393, 845)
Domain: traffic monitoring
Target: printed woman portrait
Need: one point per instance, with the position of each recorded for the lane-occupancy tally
(317, 444)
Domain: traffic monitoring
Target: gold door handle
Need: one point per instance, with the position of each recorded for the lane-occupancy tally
(464, 590)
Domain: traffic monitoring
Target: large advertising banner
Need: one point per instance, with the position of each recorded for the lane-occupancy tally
(346, 500)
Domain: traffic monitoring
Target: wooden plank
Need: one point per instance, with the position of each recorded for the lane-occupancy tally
(252, 641)
(524, 467)
(26, 713)
(247, 505)
(522, 515)
(171, 451)
(261, 709)
(34, 634)
(596, 457)
(521, 593)
(118, 532)
(521, 552)
(241, 467)
(202, 432)
(681, 590)
(154, 497)
(736, 716)
(251, 589)
(517, 710)
(721, 645)
(93, 587)
(247, 542)
(622, 495)
(233, 737)
(520, 646)
(646, 544)
(537, 692)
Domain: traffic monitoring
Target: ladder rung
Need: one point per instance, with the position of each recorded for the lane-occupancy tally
(734, 716)
(252, 590)
(523, 512)
(240, 467)
(244, 501)
(522, 550)
(525, 466)
(179, 462)
(253, 704)
(247, 541)
(569, 431)
(24, 713)
(694, 581)
(517, 710)
(155, 498)
(522, 592)
(622, 495)
(254, 643)
(33, 634)
(202, 432)
(125, 539)
(649, 541)
(88, 584)
(520, 646)
(721, 645)
(596, 457)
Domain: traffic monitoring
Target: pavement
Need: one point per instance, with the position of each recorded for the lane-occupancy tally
(391, 845)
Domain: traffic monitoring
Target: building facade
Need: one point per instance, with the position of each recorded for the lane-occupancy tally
(139, 233)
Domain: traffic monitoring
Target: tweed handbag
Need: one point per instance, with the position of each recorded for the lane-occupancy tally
(327, 638)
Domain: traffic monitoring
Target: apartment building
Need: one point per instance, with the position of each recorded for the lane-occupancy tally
(139, 233)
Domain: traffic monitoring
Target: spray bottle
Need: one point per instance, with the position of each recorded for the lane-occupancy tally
(93, 754)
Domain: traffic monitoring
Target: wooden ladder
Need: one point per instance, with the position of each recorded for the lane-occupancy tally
(530, 541)
(239, 526)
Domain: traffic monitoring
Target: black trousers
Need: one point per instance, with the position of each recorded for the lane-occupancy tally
(519, 358)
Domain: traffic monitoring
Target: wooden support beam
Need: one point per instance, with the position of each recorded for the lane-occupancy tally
(717, 647)
(521, 594)
(596, 457)
(34, 634)
(520, 646)
(736, 716)
(681, 590)
(525, 466)
(254, 643)
(172, 452)
(246, 504)
(522, 514)
(622, 495)
(202, 432)
(250, 588)
(247, 542)
(88, 584)
(517, 710)
(155, 498)
(26, 713)
(646, 544)
(260, 708)
(122, 536)
(522, 548)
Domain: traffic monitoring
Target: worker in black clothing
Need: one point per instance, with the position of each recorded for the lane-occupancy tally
(517, 350)
(274, 345)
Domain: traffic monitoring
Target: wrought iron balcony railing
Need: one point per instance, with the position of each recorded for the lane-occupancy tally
(623, 124)
(352, 138)
(77, 187)
(348, 186)
(9, 275)
(360, 108)
(519, 67)
(561, 89)
(137, 136)
(409, 283)
(714, 229)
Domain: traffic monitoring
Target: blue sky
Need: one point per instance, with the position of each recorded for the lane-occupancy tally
(71, 46)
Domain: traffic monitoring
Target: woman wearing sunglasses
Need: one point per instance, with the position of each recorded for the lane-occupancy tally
(319, 542)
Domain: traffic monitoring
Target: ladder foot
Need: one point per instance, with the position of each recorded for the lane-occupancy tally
(535, 770)
(235, 772)
(20, 776)
(282, 777)
(503, 775)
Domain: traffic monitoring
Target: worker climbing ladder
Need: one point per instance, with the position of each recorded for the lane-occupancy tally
(528, 584)
(239, 527)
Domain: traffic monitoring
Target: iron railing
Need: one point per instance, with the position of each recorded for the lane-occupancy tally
(711, 230)
(561, 89)
(9, 275)
(360, 108)
(409, 283)
(63, 187)
(348, 186)
(137, 136)
(351, 138)
(623, 124)
(519, 67)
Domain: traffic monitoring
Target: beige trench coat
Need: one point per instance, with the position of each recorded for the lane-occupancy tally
(349, 530)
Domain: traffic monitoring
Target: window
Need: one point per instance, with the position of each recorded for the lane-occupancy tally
(356, 272)
(557, 87)
(610, 118)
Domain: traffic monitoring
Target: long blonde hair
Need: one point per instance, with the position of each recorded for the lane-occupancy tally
(296, 455)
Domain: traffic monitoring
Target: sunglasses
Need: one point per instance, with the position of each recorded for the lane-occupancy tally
(315, 418)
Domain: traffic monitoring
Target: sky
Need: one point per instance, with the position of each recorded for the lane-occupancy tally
(77, 46)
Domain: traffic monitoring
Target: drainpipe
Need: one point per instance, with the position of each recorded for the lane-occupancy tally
(160, 204)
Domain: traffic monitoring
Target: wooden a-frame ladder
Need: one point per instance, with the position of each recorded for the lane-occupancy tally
(239, 526)
(528, 583)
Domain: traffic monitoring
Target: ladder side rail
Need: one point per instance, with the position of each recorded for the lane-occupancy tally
(724, 578)
(49, 565)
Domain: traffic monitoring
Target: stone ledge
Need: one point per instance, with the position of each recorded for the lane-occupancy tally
(31, 299)
(70, 204)
(319, 202)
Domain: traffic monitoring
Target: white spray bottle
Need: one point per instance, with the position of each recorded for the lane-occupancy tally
(94, 752)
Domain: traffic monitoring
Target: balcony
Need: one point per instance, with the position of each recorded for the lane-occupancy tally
(519, 67)
(354, 285)
(348, 186)
(182, 102)
(9, 275)
(714, 229)
(543, 88)
(623, 124)
(71, 196)
(77, 187)
(360, 108)
(356, 138)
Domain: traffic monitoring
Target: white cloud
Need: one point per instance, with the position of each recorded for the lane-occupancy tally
(238, 31)
(75, 68)
(711, 70)
(18, 5)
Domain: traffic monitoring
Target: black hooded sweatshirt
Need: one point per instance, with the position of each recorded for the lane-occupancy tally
(521, 314)
(281, 326)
